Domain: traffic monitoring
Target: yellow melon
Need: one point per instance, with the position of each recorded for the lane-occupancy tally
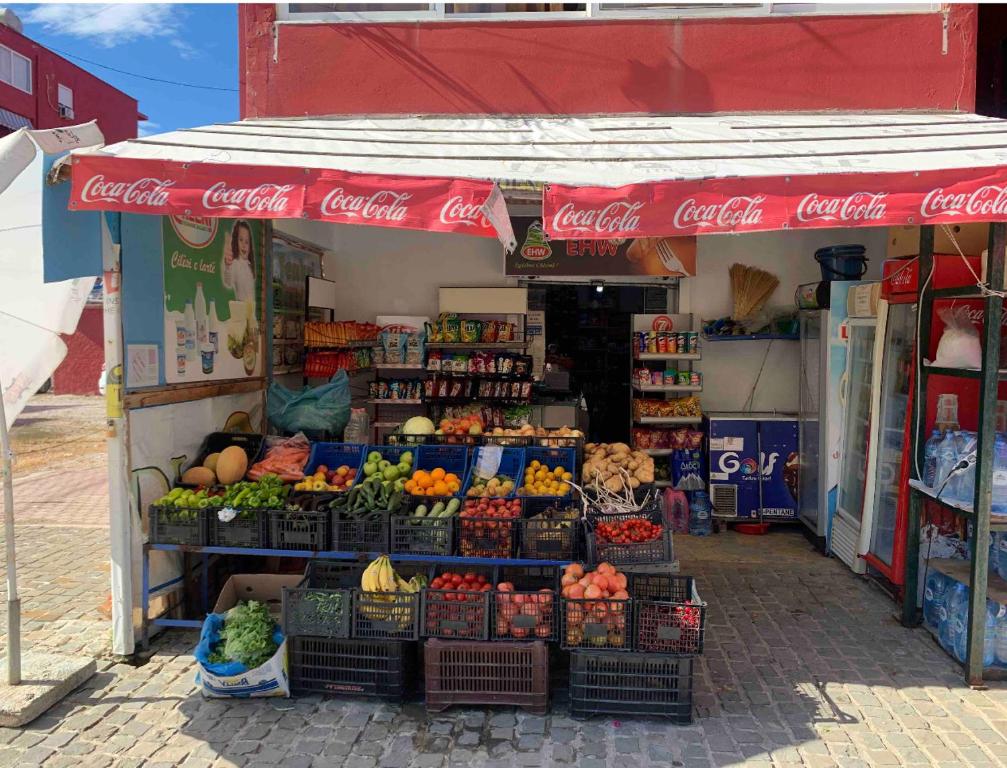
(199, 476)
(210, 462)
(232, 464)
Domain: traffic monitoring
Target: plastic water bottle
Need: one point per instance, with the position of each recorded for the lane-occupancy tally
(1001, 641)
(930, 458)
(965, 480)
(999, 474)
(935, 598)
(947, 626)
(700, 517)
(989, 638)
(947, 455)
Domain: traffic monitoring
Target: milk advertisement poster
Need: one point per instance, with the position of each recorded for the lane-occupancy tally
(212, 298)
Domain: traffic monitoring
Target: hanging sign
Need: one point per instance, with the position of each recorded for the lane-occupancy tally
(263, 192)
(754, 204)
(539, 254)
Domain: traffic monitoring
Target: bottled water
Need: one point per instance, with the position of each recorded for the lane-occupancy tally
(930, 459)
(1001, 641)
(956, 597)
(934, 598)
(700, 518)
(961, 634)
(961, 486)
(1000, 474)
(947, 455)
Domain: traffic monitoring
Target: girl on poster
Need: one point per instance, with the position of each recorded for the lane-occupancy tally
(238, 273)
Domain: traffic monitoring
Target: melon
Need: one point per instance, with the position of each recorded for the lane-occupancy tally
(418, 425)
(232, 464)
(210, 462)
(199, 476)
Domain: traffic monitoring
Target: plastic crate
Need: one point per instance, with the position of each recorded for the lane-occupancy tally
(508, 441)
(515, 674)
(511, 465)
(646, 684)
(423, 535)
(469, 441)
(550, 537)
(386, 616)
(575, 443)
(303, 530)
(659, 550)
(368, 534)
(406, 441)
(304, 612)
(668, 614)
(334, 455)
(172, 525)
(488, 536)
(527, 613)
(249, 530)
(451, 458)
(599, 624)
(390, 453)
(385, 670)
(455, 614)
(553, 457)
(215, 442)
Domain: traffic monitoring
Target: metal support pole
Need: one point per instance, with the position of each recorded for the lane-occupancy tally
(13, 603)
(983, 499)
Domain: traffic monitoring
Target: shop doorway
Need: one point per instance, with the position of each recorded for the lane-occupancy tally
(588, 332)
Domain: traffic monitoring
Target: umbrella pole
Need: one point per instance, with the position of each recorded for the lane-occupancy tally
(13, 603)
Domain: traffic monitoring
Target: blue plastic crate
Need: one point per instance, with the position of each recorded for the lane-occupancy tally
(453, 459)
(334, 455)
(391, 453)
(511, 465)
(553, 457)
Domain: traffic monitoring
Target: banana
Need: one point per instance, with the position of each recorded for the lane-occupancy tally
(401, 585)
(387, 575)
(369, 578)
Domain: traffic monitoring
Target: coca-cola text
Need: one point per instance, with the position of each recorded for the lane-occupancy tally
(148, 191)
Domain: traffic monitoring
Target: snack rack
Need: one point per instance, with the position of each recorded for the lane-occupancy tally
(672, 346)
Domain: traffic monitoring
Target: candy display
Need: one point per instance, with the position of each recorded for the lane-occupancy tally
(395, 389)
(675, 439)
(678, 407)
(478, 363)
(452, 388)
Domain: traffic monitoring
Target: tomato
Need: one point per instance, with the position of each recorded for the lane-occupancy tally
(437, 583)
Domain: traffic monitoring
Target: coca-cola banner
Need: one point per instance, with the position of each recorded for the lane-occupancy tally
(539, 254)
(755, 204)
(262, 192)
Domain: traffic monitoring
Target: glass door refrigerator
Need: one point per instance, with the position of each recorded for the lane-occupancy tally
(845, 533)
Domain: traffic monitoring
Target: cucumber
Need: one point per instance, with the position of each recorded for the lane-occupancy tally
(438, 510)
(453, 506)
(421, 511)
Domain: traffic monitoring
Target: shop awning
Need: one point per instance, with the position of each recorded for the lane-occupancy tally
(602, 177)
(12, 120)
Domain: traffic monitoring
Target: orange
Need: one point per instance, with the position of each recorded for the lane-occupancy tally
(453, 487)
(440, 488)
(437, 474)
(451, 477)
(410, 486)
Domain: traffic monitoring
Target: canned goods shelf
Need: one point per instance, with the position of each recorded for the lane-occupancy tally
(668, 420)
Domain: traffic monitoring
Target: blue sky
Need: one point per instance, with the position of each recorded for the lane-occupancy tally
(186, 43)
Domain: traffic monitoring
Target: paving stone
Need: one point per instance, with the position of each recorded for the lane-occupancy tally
(468, 739)
(529, 741)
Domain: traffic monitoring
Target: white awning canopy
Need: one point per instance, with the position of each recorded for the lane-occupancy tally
(657, 161)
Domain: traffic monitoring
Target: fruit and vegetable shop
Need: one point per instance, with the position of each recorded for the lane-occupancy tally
(415, 421)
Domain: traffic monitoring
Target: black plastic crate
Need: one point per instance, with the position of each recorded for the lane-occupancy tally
(385, 670)
(645, 684)
(301, 529)
(315, 612)
(173, 525)
(668, 614)
(455, 614)
(545, 534)
(365, 534)
(599, 624)
(468, 441)
(216, 442)
(250, 529)
(658, 550)
(412, 535)
(531, 610)
(485, 536)
(386, 616)
(508, 441)
(406, 441)
(333, 574)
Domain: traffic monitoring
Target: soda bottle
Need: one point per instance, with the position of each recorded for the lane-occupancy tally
(700, 517)
(930, 459)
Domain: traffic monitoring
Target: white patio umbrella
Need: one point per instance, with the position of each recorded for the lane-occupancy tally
(33, 314)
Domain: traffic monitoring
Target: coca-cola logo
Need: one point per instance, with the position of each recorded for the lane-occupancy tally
(860, 206)
(383, 205)
(988, 200)
(457, 211)
(264, 198)
(738, 211)
(617, 217)
(149, 192)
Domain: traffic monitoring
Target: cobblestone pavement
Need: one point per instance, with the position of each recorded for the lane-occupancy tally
(804, 665)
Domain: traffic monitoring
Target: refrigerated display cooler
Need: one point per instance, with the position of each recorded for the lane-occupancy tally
(754, 471)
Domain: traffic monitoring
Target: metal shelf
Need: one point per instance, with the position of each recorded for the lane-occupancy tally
(964, 373)
(962, 292)
(392, 401)
(343, 345)
(657, 451)
(668, 356)
(399, 367)
(963, 508)
(501, 345)
(669, 388)
(756, 337)
(663, 484)
(668, 420)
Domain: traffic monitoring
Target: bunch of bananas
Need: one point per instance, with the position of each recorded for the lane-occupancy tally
(382, 588)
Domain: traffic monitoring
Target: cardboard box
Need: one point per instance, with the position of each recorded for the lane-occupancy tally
(265, 587)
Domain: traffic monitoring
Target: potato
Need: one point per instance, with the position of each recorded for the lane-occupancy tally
(614, 484)
(634, 482)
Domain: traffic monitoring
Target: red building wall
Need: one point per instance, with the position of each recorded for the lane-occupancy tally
(93, 98)
(880, 62)
(78, 373)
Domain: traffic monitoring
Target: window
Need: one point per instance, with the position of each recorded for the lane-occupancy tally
(65, 100)
(15, 69)
(350, 12)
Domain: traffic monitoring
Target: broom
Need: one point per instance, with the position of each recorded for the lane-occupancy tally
(750, 288)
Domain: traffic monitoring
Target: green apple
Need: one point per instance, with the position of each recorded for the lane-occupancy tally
(374, 457)
(371, 466)
(406, 458)
(403, 468)
(384, 464)
(391, 473)
(400, 484)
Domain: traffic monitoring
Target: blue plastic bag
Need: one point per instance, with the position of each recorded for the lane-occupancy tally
(313, 410)
(209, 635)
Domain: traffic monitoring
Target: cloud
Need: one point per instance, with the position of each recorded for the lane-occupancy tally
(147, 127)
(112, 25)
